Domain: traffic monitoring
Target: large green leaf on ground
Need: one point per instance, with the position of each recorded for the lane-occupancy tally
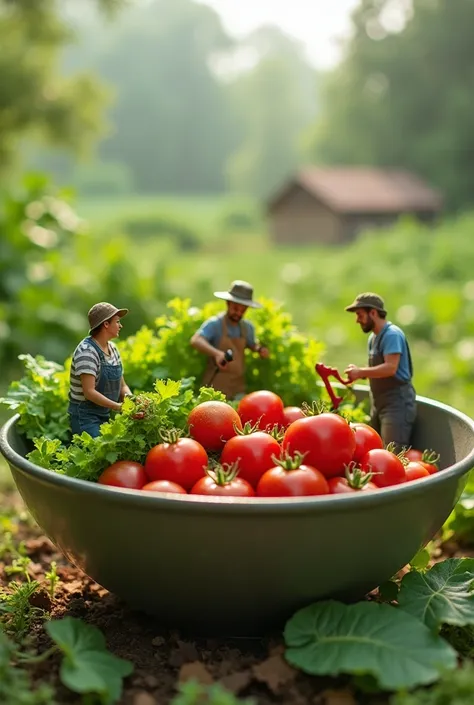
(442, 595)
(378, 640)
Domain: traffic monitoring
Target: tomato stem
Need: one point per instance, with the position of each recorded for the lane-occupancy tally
(223, 474)
(289, 462)
(170, 435)
(315, 408)
(276, 431)
(430, 457)
(246, 429)
(356, 477)
(391, 447)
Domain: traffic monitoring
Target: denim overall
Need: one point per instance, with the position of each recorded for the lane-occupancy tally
(87, 416)
(393, 401)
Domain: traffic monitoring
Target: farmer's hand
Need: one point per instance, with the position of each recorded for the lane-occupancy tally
(353, 372)
(263, 352)
(220, 360)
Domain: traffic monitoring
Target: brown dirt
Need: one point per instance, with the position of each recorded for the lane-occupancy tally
(162, 659)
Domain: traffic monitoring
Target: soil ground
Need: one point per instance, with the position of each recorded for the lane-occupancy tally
(249, 668)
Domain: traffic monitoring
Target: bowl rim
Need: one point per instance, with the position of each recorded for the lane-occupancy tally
(240, 505)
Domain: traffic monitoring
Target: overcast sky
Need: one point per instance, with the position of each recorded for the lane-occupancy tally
(318, 23)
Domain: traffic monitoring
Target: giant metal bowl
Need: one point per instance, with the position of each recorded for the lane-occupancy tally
(242, 566)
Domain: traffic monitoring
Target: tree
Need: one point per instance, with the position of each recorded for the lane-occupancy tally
(35, 100)
(170, 115)
(178, 122)
(182, 122)
(275, 101)
(404, 94)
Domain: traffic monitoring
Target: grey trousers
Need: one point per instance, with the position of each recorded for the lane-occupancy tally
(393, 415)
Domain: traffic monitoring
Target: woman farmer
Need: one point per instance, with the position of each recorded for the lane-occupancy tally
(96, 381)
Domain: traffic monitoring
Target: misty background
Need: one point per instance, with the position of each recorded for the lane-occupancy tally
(140, 142)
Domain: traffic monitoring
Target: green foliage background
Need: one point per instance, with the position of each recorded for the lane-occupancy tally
(152, 91)
(55, 265)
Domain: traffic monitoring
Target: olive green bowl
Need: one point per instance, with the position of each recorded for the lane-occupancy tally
(242, 566)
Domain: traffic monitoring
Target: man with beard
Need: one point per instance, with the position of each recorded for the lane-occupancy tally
(390, 371)
(229, 331)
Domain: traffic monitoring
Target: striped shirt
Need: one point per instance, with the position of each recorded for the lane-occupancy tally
(86, 361)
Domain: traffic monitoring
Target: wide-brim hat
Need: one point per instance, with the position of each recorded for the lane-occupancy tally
(240, 292)
(367, 300)
(101, 312)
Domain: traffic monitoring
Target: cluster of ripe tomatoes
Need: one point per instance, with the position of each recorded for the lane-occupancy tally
(264, 449)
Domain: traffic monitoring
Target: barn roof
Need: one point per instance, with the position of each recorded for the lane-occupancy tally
(364, 190)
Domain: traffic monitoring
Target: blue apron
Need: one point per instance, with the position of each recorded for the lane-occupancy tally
(87, 416)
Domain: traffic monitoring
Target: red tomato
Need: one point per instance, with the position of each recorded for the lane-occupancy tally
(413, 454)
(415, 470)
(183, 462)
(388, 469)
(253, 454)
(225, 485)
(263, 408)
(164, 486)
(124, 473)
(341, 485)
(327, 442)
(302, 481)
(355, 480)
(427, 458)
(431, 468)
(212, 424)
(366, 439)
(292, 413)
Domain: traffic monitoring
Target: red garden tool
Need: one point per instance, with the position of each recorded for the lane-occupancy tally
(325, 372)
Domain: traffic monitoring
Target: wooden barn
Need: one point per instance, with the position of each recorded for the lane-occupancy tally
(333, 204)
